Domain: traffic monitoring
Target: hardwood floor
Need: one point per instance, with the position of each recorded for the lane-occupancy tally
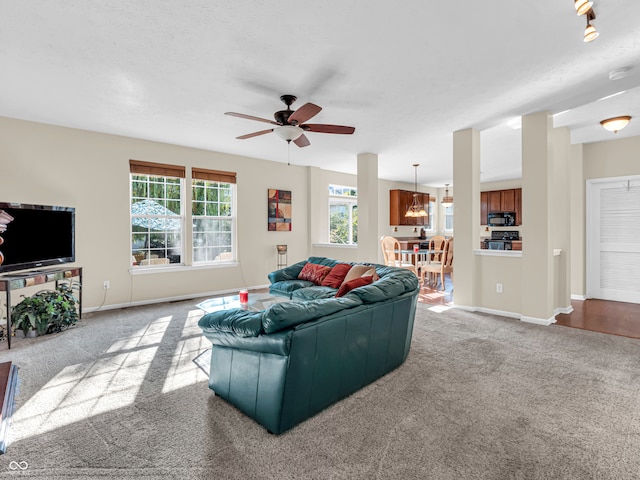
(613, 318)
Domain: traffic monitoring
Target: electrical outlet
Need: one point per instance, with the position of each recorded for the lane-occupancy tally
(106, 284)
(498, 288)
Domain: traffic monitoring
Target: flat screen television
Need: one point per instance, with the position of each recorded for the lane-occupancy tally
(33, 236)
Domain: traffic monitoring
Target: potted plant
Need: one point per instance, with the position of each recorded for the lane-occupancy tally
(48, 311)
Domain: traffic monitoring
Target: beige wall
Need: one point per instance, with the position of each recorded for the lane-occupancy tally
(614, 158)
(44, 164)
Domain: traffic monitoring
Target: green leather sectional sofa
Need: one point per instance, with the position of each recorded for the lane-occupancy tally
(283, 365)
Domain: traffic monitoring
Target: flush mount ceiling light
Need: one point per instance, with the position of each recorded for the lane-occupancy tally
(416, 209)
(616, 124)
(288, 132)
(447, 201)
(582, 6)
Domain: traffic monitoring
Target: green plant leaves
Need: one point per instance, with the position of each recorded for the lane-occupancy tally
(47, 311)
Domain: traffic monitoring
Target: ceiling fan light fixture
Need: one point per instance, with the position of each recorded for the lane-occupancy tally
(582, 6)
(288, 132)
(616, 124)
(590, 33)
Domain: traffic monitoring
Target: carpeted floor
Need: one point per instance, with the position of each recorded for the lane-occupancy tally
(479, 397)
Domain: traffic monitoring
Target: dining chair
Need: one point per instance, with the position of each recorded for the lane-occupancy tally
(438, 269)
(436, 245)
(392, 256)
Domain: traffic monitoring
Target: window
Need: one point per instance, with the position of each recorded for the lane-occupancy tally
(343, 215)
(212, 209)
(158, 215)
(157, 221)
(432, 202)
(448, 218)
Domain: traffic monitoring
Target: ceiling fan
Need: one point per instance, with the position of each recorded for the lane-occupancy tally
(291, 124)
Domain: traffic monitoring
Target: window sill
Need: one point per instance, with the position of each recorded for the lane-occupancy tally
(335, 245)
(181, 268)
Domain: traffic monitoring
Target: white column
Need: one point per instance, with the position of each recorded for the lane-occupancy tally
(537, 212)
(368, 243)
(466, 208)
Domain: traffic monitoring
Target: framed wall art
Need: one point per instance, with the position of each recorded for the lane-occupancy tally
(279, 206)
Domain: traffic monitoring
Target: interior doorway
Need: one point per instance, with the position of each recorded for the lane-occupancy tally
(613, 239)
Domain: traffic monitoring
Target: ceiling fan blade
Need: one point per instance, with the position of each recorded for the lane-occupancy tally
(302, 141)
(304, 113)
(254, 134)
(251, 117)
(322, 128)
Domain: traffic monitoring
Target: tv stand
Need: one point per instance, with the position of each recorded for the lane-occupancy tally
(16, 281)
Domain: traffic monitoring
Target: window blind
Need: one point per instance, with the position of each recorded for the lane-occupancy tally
(213, 175)
(150, 168)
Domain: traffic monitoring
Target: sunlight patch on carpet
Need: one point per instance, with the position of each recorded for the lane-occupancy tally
(182, 372)
(150, 335)
(439, 308)
(84, 390)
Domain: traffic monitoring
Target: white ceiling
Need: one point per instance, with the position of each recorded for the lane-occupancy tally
(405, 74)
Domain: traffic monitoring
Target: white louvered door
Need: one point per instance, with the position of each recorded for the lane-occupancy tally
(613, 247)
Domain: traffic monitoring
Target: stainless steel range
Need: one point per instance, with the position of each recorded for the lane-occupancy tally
(501, 239)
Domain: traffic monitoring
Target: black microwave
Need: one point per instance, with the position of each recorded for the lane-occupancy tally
(501, 219)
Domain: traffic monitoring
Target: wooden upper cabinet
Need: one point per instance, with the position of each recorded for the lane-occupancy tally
(484, 208)
(399, 203)
(501, 201)
(518, 209)
(508, 200)
(495, 201)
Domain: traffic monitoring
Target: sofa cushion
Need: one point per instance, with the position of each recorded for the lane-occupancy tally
(314, 273)
(387, 287)
(244, 323)
(288, 273)
(361, 271)
(355, 283)
(288, 314)
(313, 292)
(336, 275)
(287, 287)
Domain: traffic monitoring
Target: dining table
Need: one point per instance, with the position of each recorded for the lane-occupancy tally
(420, 256)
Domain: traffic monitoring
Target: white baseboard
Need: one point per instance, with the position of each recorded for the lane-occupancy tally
(490, 311)
(538, 321)
(565, 310)
(169, 299)
(578, 297)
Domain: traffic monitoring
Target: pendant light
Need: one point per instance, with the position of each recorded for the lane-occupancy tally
(447, 201)
(590, 33)
(582, 6)
(417, 208)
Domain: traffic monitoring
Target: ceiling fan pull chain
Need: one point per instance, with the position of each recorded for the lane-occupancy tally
(288, 153)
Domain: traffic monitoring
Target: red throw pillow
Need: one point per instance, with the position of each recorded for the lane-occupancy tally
(314, 273)
(336, 275)
(352, 284)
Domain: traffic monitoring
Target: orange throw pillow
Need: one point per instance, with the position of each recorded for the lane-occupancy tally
(336, 275)
(313, 272)
(352, 284)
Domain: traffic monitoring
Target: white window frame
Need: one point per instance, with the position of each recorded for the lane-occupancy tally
(337, 196)
(148, 260)
(448, 212)
(228, 256)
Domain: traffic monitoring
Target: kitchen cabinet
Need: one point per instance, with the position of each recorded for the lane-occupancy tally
(508, 200)
(400, 201)
(518, 206)
(501, 201)
(495, 201)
